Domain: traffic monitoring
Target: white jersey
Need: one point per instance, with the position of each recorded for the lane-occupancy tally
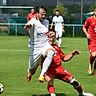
(58, 22)
(39, 37)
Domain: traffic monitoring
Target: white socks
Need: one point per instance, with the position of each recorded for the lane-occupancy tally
(47, 62)
(52, 94)
(60, 41)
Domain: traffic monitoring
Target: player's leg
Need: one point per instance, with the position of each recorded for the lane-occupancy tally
(94, 63)
(50, 86)
(57, 38)
(30, 73)
(34, 61)
(92, 49)
(60, 38)
(77, 86)
(65, 76)
(90, 68)
(49, 56)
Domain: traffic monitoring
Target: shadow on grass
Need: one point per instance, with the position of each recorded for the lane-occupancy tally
(57, 94)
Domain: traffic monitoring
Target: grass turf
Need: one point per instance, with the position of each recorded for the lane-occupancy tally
(14, 55)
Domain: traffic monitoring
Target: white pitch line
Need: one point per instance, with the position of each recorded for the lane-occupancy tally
(11, 50)
(24, 50)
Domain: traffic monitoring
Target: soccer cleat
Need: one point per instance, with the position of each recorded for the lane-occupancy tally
(41, 79)
(28, 77)
(86, 94)
(90, 69)
(52, 94)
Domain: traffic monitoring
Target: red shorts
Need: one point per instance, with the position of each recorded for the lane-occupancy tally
(92, 45)
(59, 73)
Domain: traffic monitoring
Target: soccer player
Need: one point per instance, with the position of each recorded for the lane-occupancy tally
(89, 28)
(39, 45)
(57, 71)
(58, 21)
(32, 14)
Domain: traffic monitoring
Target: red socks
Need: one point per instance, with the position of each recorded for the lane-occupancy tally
(51, 89)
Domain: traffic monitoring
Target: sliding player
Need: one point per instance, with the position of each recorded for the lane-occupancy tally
(57, 71)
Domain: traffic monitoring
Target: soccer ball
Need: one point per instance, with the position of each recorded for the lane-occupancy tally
(1, 88)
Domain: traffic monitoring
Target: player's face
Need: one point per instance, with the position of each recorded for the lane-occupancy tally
(32, 10)
(52, 37)
(41, 14)
(57, 13)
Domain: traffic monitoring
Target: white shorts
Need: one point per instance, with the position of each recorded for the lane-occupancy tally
(35, 55)
(58, 34)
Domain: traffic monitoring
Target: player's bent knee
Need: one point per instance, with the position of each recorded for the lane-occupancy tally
(93, 54)
(74, 83)
(50, 53)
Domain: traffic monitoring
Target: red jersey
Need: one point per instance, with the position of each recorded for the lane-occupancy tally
(58, 57)
(90, 24)
(30, 16)
(56, 70)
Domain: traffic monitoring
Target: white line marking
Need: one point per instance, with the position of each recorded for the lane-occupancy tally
(15, 50)
(24, 50)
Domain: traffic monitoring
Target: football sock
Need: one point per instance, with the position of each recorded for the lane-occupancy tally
(60, 40)
(92, 59)
(47, 62)
(76, 85)
(79, 89)
(51, 89)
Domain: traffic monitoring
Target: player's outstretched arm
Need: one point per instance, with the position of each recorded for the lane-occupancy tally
(71, 55)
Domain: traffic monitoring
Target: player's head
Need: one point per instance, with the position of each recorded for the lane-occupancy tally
(33, 10)
(57, 13)
(52, 35)
(41, 13)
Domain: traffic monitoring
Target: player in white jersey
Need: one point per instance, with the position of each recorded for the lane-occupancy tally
(58, 21)
(39, 44)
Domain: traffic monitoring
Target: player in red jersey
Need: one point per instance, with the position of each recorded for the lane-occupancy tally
(89, 28)
(32, 14)
(57, 71)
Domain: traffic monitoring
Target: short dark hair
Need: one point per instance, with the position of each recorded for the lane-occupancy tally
(52, 29)
(57, 10)
(41, 7)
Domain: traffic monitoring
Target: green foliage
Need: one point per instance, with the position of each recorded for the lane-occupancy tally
(92, 7)
(72, 7)
(61, 8)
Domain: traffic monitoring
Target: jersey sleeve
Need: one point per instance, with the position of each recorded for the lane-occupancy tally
(62, 20)
(31, 22)
(53, 19)
(47, 23)
(86, 24)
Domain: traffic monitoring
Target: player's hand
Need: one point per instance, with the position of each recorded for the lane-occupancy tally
(27, 26)
(75, 52)
(88, 36)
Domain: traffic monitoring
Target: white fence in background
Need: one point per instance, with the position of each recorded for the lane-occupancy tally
(7, 27)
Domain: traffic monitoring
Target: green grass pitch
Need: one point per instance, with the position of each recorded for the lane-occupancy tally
(14, 55)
